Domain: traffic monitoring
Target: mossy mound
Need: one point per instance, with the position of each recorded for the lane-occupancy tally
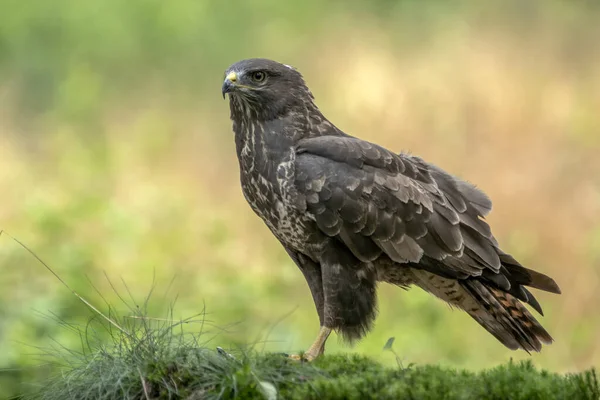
(203, 373)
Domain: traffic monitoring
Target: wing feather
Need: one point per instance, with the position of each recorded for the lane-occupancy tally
(377, 202)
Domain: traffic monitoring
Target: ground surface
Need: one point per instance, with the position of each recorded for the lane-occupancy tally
(203, 373)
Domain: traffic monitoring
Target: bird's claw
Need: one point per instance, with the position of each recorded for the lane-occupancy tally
(306, 357)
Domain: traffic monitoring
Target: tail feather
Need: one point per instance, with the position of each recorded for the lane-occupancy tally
(526, 276)
(507, 318)
(531, 300)
(499, 312)
(518, 277)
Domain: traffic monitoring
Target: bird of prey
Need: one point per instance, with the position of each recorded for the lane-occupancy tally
(351, 214)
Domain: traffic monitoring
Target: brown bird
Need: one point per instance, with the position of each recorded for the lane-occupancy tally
(351, 214)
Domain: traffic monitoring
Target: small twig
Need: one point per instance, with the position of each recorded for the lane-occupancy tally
(389, 347)
(170, 320)
(274, 325)
(144, 384)
(84, 301)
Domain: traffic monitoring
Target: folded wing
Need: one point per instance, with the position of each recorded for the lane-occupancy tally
(380, 203)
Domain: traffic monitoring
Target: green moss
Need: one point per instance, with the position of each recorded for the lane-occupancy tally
(361, 378)
(150, 360)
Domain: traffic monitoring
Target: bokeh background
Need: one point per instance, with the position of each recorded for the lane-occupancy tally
(117, 160)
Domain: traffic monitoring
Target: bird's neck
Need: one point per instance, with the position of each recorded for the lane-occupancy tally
(262, 143)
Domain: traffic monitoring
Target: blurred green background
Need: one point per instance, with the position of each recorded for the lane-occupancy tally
(117, 159)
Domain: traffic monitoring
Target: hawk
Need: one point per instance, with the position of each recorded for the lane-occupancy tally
(351, 214)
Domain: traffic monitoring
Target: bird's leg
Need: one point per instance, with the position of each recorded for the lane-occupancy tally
(317, 348)
(312, 273)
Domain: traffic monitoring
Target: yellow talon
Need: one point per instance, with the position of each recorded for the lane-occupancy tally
(316, 349)
(295, 357)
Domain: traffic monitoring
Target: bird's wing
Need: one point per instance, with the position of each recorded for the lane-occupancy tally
(378, 202)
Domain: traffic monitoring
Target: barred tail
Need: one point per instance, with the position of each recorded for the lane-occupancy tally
(499, 312)
(506, 318)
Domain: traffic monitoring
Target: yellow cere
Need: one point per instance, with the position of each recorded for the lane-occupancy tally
(232, 76)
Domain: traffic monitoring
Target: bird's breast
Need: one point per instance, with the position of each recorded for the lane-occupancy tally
(271, 198)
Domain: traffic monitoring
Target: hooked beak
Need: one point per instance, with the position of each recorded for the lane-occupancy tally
(229, 83)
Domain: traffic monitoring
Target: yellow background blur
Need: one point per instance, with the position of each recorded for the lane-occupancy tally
(117, 158)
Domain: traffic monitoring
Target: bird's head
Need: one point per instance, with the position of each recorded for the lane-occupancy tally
(265, 88)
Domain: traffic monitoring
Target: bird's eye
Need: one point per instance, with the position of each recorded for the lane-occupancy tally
(258, 76)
